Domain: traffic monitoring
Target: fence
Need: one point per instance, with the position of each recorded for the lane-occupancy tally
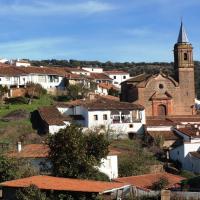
(182, 195)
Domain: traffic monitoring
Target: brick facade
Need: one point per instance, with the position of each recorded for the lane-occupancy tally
(161, 94)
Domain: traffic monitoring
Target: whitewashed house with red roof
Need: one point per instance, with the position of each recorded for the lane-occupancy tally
(121, 118)
(187, 150)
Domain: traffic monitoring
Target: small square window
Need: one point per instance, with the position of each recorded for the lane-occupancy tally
(114, 77)
(130, 125)
(95, 117)
(105, 117)
(124, 77)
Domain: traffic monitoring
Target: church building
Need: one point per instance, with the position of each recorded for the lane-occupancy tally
(162, 95)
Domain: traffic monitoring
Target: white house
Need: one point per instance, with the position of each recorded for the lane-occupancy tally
(22, 63)
(103, 88)
(93, 69)
(187, 152)
(122, 118)
(37, 155)
(118, 77)
(49, 78)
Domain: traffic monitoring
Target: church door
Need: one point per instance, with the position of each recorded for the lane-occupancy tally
(162, 110)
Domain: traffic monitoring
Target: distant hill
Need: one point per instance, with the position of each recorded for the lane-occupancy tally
(132, 67)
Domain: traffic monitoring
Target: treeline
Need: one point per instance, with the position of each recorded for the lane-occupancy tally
(132, 67)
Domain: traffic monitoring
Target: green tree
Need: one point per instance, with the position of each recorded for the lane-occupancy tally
(74, 154)
(13, 168)
(137, 161)
(113, 92)
(34, 90)
(162, 183)
(80, 91)
(3, 91)
(31, 193)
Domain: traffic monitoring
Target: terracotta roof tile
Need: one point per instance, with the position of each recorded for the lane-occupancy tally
(42, 70)
(115, 72)
(146, 181)
(139, 78)
(64, 184)
(190, 131)
(100, 76)
(159, 122)
(31, 151)
(179, 119)
(108, 86)
(11, 71)
(52, 116)
(41, 151)
(107, 104)
(167, 135)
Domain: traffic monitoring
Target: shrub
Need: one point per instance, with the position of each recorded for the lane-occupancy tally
(16, 100)
(160, 184)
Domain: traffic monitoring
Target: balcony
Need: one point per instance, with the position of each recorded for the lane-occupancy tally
(121, 117)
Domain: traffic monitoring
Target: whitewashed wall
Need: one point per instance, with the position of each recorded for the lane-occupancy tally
(109, 166)
(118, 78)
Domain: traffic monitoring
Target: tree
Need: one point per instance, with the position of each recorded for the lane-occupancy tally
(15, 168)
(31, 193)
(160, 184)
(81, 90)
(74, 154)
(137, 161)
(34, 90)
(113, 92)
(3, 91)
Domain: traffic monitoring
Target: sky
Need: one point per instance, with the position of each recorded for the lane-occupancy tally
(103, 30)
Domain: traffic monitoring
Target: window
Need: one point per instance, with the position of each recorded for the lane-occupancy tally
(95, 117)
(124, 77)
(130, 125)
(161, 86)
(185, 56)
(105, 117)
(114, 77)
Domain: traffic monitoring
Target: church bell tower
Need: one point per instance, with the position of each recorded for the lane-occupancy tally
(184, 68)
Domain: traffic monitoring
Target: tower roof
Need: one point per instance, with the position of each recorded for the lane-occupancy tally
(182, 37)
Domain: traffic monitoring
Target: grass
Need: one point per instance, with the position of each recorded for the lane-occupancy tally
(11, 131)
(134, 158)
(43, 101)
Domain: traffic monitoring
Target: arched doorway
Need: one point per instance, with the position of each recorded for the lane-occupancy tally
(162, 110)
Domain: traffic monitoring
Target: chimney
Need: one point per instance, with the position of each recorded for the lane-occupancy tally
(19, 146)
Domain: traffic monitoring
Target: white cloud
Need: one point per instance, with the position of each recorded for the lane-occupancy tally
(58, 8)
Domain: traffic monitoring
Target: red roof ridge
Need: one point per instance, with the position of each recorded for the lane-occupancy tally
(64, 184)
